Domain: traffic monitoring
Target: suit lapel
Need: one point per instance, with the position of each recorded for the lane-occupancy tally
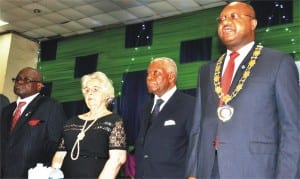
(211, 89)
(241, 70)
(27, 113)
(168, 108)
(147, 119)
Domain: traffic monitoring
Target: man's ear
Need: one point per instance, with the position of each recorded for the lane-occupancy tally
(40, 86)
(253, 24)
(172, 76)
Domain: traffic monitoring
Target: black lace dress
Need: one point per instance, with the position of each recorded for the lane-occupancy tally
(106, 133)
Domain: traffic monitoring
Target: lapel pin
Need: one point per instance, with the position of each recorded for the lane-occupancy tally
(27, 114)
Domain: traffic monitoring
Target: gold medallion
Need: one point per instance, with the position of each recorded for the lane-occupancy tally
(225, 112)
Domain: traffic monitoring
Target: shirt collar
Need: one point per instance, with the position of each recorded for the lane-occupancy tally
(167, 95)
(244, 50)
(27, 99)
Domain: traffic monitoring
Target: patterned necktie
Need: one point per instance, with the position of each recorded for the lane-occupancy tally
(17, 114)
(156, 108)
(226, 83)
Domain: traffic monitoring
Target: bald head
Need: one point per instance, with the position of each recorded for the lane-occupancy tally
(237, 24)
(37, 75)
(28, 82)
(244, 7)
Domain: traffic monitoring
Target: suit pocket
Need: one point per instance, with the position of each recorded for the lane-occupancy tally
(262, 148)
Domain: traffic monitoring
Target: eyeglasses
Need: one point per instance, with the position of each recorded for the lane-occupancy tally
(232, 16)
(25, 80)
(93, 90)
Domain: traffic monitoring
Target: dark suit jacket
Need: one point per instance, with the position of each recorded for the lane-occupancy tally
(3, 102)
(262, 139)
(29, 144)
(161, 149)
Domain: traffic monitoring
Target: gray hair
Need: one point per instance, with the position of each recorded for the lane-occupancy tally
(106, 84)
(169, 64)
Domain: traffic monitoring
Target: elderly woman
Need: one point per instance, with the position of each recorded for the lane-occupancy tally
(93, 144)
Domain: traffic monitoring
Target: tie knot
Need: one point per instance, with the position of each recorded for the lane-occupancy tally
(234, 54)
(159, 102)
(21, 104)
(156, 108)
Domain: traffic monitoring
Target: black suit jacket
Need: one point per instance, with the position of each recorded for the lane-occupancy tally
(262, 139)
(3, 102)
(161, 147)
(30, 143)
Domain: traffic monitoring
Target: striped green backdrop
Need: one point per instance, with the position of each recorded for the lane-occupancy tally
(114, 59)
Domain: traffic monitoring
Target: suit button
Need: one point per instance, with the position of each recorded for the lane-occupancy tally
(146, 156)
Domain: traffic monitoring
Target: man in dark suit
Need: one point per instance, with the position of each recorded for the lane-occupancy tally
(163, 139)
(3, 102)
(34, 136)
(253, 130)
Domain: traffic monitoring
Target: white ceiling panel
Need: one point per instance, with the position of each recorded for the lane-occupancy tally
(184, 5)
(44, 32)
(89, 22)
(107, 6)
(5, 5)
(39, 21)
(17, 3)
(33, 34)
(171, 13)
(26, 25)
(72, 3)
(105, 19)
(88, 10)
(123, 15)
(56, 18)
(71, 14)
(68, 34)
(162, 7)
(53, 5)
(9, 17)
(84, 31)
(207, 2)
(58, 29)
(21, 13)
(124, 4)
(149, 1)
(141, 11)
(216, 4)
(90, 1)
(73, 26)
(34, 6)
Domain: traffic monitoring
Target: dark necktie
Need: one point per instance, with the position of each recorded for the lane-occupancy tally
(226, 83)
(156, 108)
(17, 114)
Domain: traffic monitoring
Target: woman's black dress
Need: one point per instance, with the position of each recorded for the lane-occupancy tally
(107, 133)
